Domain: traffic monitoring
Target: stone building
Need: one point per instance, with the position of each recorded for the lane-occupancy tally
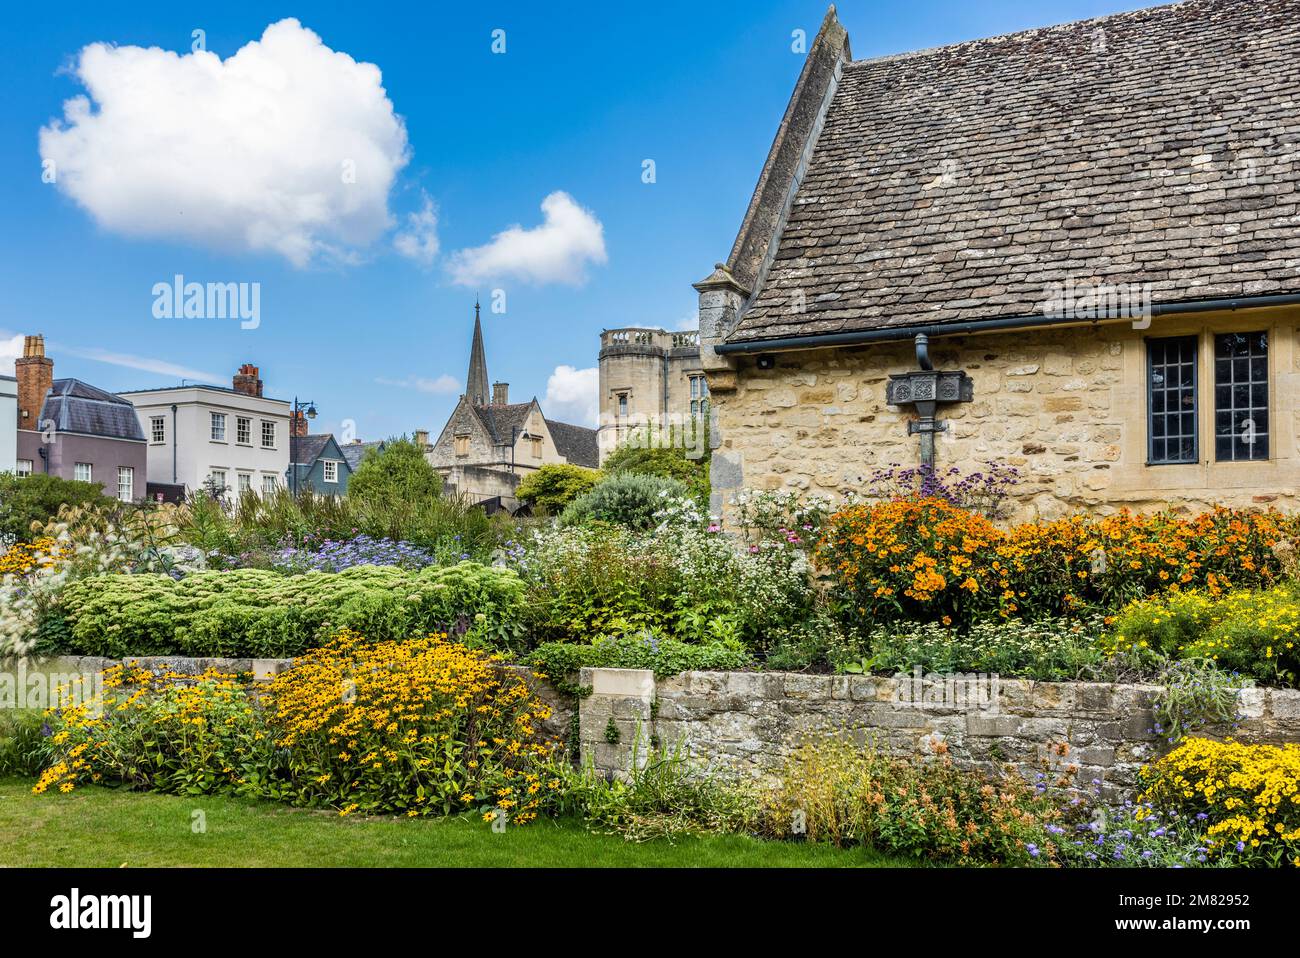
(649, 379)
(1073, 249)
(489, 443)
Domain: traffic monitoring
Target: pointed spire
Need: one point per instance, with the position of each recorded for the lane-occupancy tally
(476, 382)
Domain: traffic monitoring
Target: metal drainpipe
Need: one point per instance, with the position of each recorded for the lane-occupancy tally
(173, 444)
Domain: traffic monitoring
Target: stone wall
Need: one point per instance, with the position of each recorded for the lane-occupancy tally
(1067, 406)
(749, 721)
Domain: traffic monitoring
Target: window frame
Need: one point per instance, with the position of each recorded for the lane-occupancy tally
(158, 430)
(90, 471)
(129, 472)
(215, 419)
(274, 434)
(18, 468)
(243, 430)
(1149, 342)
(328, 466)
(1250, 383)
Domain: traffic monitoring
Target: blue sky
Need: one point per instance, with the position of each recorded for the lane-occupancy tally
(581, 97)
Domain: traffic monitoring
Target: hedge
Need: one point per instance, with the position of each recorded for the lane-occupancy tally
(263, 614)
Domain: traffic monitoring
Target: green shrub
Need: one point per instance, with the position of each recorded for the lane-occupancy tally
(36, 499)
(664, 796)
(626, 499)
(1049, 649)
(834, 790)
(24, 746)
(673, 461)
(1254, 632)
(397, 473)
(251, 612)
(555, 485)
(666, 657)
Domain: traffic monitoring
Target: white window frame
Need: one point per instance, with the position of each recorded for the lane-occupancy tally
(218, 426)
(22, 472)
(274, 433)
(158, 430)
(90, 472)
(126, 491)
(213, 473)
(243, 430)
(243, 482)
(269, 483)
(330, 470)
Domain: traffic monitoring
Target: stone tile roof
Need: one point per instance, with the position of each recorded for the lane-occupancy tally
(1160, 146)
(78, 407)
(504, 423)
(577, 444)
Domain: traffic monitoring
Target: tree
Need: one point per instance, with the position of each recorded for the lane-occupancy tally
(398, 472)
(554, 486)
(36, 498)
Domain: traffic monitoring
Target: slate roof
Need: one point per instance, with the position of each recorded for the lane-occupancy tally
(354, 452)
(305, 450)
(77, 407)
(1160, 146)
(577, 444)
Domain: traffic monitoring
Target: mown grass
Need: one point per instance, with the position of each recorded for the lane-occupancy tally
(111, 828)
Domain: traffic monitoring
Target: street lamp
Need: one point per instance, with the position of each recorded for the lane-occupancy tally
(298, 407)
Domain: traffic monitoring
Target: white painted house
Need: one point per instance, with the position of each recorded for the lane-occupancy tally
(236, 438)
(8, 423)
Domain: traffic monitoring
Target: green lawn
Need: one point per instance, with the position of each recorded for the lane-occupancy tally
(100, 827)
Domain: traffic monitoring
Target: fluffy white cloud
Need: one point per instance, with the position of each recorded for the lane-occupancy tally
(444, 385)
(286, 146)
(419, 241)
(573, 395)
(10, 349)
(568, 240)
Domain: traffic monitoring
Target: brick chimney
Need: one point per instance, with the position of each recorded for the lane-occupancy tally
(500, 394)
(422, 438)
(246, 381)
(297, 422)
(35, 374)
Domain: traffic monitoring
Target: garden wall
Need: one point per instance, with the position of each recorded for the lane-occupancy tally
(749, 721)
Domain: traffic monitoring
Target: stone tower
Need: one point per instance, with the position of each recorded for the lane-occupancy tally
(649, 378)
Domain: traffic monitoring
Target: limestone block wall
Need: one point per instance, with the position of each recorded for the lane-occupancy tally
(750, 721)
(1066, 406)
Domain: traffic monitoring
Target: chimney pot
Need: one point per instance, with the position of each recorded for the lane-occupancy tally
(298, 424)
(246, 381)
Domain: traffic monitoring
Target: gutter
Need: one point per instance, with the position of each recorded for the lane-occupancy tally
(900, 333)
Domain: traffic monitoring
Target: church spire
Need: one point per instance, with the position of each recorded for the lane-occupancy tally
(476, 383)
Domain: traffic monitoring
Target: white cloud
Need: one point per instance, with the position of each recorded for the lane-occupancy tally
(419, 241)
(286, 146)
(569, 239)
(573, 395)
(444, 385)
(689, 322)
(129, 361)
(10, 349)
